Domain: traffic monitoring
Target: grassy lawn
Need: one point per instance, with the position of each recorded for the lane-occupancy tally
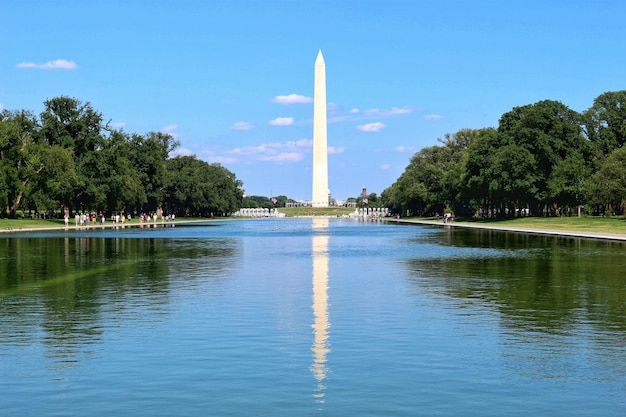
(615, 224)
(11, 224)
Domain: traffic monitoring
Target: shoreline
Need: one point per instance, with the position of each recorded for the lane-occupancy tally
(151, 225)
(564, 233)
(106, 225)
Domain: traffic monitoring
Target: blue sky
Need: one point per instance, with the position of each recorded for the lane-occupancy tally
(233, 80)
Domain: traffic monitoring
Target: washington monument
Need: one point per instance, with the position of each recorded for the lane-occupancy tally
(320, 141)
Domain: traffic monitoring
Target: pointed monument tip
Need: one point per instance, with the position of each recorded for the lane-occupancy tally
(319, 55)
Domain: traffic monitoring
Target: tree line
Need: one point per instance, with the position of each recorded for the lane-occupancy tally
(258, 201)
(543, 159)
(68, 159)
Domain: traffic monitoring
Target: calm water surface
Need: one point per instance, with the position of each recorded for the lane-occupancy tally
(305, 317)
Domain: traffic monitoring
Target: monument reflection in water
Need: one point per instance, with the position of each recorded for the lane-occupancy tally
(321, 323)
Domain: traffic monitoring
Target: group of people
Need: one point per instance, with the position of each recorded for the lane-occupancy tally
(145, 218)
(85, 219)
(448, 217)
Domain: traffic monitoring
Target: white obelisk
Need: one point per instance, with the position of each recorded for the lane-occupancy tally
(320, 141)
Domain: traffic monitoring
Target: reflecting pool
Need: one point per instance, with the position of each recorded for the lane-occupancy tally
(298, 317)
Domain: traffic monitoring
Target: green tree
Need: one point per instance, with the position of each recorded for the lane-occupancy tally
(431, 183)
(511, 178)
(550, 131)
(195, 187)
(21, 158)
(477, 175)
(605, 121)
(118, 184)
(372, 199)
(407, 195)
(53, 188)
(149, 154)
(70, 158)
(567, 182)
(249, 203)
(259, 200)
(606, 188)
(71, 124)
(281, 200)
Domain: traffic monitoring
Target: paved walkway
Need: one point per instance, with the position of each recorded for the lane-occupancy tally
(107, 225)
(569, 233)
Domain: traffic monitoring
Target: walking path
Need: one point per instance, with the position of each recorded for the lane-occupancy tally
(569, 233)
(106, 225)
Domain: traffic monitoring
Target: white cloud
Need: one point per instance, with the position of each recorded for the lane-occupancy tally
(220, 159)
(394, 111)
(170, 130)
(278, 152)
(282, 121)
(335, 151)
(181, 152)
(118, 125)
(354, 110)
(336, 119)
(292, 99)
(242, 126)
(56, 64)
(403, 148)
(272, 147)
(1, 107)
(305, 143)
(282, 157)
(384, 166)
(433, 117)
(270, 152)
(371, 127)
(335, 114)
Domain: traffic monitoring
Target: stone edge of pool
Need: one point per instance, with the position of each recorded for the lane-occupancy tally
(566, 233)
